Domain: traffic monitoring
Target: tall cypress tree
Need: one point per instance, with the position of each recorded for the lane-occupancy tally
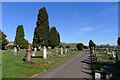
(20, 41)
(54, 37)
(3, 40)
(41, 32)
(91, 45)
(58, 36)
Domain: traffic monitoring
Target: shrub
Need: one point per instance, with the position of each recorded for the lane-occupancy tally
(67, 46)
(10, 47)
(85, 47)
(80, 46)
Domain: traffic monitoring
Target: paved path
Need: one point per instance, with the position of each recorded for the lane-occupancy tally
(76, 67)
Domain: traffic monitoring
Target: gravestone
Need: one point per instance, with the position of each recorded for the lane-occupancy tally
(109, 52)
(113, 54)
(66, 51)
(107, 49)
(44, 52)
(118, 56)
(93, 51)
(108, 76)
(57, 51)
(18, 48)
(35, 49)
(40, 48)
(97, 76)
(61, 50)
(33, 54)
(15, 50)
(28, 54)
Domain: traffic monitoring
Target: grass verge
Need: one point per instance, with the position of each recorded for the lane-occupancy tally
(13, 66)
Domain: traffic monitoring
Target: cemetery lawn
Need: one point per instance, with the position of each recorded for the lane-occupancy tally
(104, 59)
(13, 67)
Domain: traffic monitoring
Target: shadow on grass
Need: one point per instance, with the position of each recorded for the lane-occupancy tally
(115, 68)
(90, 73)
(86, 61)
(114, 65)
(87, 68)
(36, 56)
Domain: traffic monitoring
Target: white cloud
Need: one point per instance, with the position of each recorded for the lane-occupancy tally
(87, 29)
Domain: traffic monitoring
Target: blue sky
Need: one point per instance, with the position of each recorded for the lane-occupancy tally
(76, 22)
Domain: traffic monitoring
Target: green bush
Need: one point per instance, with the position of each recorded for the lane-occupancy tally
(10, 47)
(67, 46)
(85, 47)
(80, 46)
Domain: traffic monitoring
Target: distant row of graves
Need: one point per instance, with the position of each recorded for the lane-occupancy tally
(111, 52)
(45, 53)
(114, 53)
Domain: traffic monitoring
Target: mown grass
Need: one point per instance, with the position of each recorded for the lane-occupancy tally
(104, 59)
(13, 67)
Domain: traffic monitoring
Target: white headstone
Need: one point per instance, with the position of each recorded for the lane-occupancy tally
(15, 49)
(57, 51)
(109, 53)
(40, 48)
(113, 53)
(97, 76)
(107, 49)
(44, 52)
(19, 48)
(66, 50)
(93, 50)
(33, 54)
(61, 50)
(35, 49)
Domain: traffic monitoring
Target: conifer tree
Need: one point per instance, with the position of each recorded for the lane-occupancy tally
(41, 32)
(54, 37)
(91, 46)
(3, 40)
(58, 36)
(20, 41)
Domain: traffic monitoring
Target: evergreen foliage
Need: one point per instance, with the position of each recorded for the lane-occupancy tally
(85, 47)
(91, 44)
(43, 36)
(67, 46)
(20, 41)
(54, 37)
(80, 46)
(3, 40)
(41, 32)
